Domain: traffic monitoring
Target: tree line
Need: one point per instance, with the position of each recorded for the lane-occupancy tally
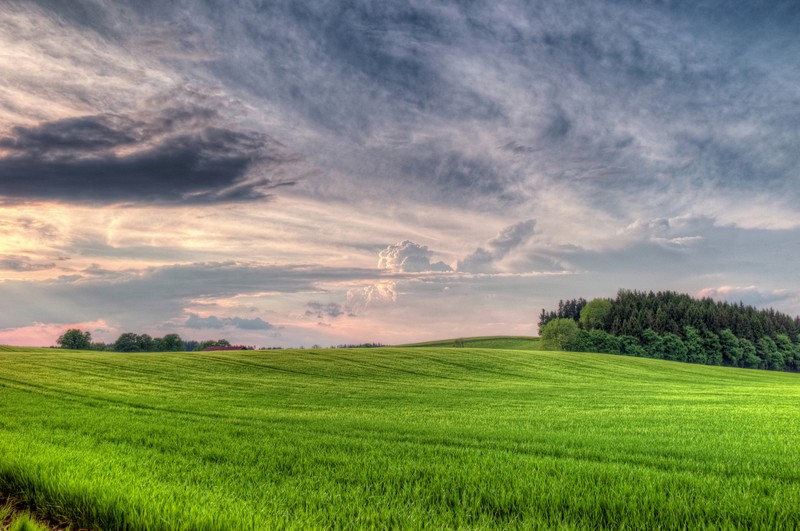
(675, 326)
(77, 339)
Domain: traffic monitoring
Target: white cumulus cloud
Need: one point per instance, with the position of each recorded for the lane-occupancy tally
(358, 299)
(409, 257)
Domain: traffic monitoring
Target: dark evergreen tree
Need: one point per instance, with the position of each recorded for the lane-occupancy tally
(709, 332)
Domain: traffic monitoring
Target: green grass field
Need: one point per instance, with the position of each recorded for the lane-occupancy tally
(397, 438)
(503, 342)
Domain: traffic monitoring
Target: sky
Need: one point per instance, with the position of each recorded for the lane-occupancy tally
(318, 173)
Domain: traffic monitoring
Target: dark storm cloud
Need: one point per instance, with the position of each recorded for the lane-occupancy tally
(72, 136)
(177, 154)
(611, 96)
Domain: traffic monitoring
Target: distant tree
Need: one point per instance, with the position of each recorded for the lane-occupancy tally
(545, 317)
(732, 352)
(630, 346)
(795, 363)
(695, 353)
(459, 343)
(580, 343)
(594, 314)
(558, 333)
(569, 309)
(786, 351)
(75, 339)
(602, 341)
(101, 347)
(674, 348)
(146, 343)
(768, 353)
(127, 342)
(712, 347)
(169, 343)
(703, 330)
(653, 344)
(750, 358)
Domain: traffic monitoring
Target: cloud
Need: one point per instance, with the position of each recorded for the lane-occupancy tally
(678, 232)
(170, 155)
(320, 310)
(195, 321)
(484, 260)
(478, 261)
(22, 264)
(359, 299)
(409, 257)
(749, 295)
(212, 321)
(511, 237)
(159, 294)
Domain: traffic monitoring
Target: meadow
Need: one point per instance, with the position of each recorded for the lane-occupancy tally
(501, 342)
(422, 437)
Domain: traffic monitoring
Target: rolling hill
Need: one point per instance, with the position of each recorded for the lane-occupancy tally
(413, 438)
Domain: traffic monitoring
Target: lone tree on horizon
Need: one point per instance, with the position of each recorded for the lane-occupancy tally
(75, 339)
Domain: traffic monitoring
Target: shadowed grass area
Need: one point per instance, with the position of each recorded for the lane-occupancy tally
(12, 519)
(420, 437)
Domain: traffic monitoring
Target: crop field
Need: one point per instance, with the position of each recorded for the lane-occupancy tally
(435, 438)
(504, 342)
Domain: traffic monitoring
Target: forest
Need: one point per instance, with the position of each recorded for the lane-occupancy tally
(675, 326)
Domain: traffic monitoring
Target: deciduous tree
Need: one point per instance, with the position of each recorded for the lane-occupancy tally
(75, 339)
(558, 333)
